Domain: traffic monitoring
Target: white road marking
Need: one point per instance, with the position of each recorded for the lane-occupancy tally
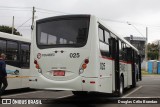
(145, 97)
(132, 92)
(6, 96)
(65, 96)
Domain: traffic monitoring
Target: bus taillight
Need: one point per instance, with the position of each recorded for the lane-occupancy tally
(83, 66)
(36, 63)
(86, 61)
(37, 66)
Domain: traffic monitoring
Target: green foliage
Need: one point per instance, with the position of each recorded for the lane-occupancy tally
(152, 51)
(8, 29)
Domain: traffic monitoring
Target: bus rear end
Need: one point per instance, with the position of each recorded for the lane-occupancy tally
(62, 54)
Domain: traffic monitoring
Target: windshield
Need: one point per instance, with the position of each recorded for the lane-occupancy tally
(62, 32)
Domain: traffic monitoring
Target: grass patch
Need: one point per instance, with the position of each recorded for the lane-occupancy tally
(146, 73)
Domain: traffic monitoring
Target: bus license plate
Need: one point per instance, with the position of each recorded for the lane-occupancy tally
(59, 73)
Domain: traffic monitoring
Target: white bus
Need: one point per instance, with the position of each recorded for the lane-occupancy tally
(80, 53)
(17, 50)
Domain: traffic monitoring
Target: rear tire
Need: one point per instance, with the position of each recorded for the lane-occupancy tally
(80, 93)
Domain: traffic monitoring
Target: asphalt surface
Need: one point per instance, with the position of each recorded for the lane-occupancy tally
(146, 89)
(150, 87)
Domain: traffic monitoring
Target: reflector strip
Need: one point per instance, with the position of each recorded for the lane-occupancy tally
(92, 82)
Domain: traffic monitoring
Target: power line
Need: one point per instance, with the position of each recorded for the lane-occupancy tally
(126, 22)
(7, 8)
(47, 12)
(24, 23)
(151, 26)
(15, 7)
(41, 10)
(138, 31)
(52, 11)
(111, 20)
(13, 10)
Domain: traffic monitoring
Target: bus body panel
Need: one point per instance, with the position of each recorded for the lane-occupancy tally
(44, 83)
(62, 61)
(17, 56)
(105, 73)
(14, 80)
(124, 72)
(113, 76)
(129, 69)
(72, 66)
(99, 74)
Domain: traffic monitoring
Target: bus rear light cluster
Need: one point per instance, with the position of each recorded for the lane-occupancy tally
(84, 66)
(36, 63)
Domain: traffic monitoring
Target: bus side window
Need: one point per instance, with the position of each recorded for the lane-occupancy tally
(25, 55)
(120, 50)
(107, 36)
(104, 45)
(100, 34)
(12, 53)
(129, 54)
(124, 51)
(2, 46)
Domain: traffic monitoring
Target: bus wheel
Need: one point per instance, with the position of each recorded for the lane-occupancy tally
(80, 93)
(121, 89)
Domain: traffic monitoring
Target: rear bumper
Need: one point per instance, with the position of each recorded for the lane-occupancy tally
(43, 83)
(75, 84)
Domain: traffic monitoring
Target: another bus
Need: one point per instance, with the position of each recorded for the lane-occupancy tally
(80, 53)
(17, 50)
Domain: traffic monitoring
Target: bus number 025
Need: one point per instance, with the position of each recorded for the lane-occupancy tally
(102, 66)
(74, 55)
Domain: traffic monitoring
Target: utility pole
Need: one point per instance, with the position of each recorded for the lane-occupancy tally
(158, 50)
(146, 49)
(13, 25)
(33, 16)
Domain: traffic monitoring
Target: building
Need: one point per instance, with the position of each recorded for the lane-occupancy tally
(139, 43)
(157, 42)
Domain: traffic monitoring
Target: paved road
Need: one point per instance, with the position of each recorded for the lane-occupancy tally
(148, 88)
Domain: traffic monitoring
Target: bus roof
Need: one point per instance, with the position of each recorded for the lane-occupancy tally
(99, 20)
(14, 37)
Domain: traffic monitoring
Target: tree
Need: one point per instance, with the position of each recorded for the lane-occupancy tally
(8, 29)
(152, 51)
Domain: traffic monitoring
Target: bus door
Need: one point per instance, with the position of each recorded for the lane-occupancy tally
(137, 60)
(115, 56)
(139, 63)
(131, 58)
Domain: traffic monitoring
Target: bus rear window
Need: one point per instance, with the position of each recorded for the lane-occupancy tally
(62, 32)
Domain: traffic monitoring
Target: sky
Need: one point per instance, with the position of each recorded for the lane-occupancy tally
(125, 17)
